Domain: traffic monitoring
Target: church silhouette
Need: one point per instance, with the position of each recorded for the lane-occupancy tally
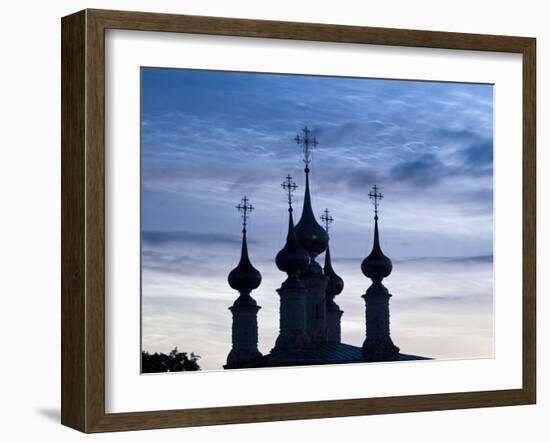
(309, 318)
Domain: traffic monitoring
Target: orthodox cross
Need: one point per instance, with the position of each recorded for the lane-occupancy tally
(327, 219)
(308, 143)
(289, 186)
(376, 196)
(244, 207)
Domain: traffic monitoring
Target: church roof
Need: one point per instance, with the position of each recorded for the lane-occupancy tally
(322, 353)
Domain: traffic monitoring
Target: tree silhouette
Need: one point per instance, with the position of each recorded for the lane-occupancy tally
(174, 361)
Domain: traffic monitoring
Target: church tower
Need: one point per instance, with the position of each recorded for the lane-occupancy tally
(377, 266)
(314, 239)
(244, 278)
(334, 287)
(292, 259)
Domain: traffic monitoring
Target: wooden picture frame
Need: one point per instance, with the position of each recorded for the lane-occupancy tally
(83, 220)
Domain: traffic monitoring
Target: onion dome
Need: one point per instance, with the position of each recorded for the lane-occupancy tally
(376, 266)
(335, 283)
(311, 236)
(245, 277)
(292, 258)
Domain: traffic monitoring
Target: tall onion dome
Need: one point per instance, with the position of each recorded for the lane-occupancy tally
(292, 258)
(245, 277)
(376, 266)
(378, 344)
(244, 328)
(311, 236)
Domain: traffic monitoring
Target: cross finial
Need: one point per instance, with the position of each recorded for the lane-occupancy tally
(289, 186)
(327, 219)
(308, 143)
(375, 196)
(244, 207)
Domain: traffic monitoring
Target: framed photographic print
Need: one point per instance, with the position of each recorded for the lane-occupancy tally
(269, 220)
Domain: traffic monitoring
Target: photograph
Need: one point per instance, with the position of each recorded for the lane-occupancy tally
(304, 220)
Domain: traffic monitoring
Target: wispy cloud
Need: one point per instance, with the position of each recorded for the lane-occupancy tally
(450, 259)
(159, 237)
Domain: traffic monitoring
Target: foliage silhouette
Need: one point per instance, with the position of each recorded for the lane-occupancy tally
(174, 361)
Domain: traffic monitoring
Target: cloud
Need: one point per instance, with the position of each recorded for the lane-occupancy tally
(478, 259)
(456, 298)
(479, 157)
(423, 170)
(474, 149)
(159, 237)
(154, 260)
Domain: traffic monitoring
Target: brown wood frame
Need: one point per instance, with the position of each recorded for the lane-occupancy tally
(83, 216)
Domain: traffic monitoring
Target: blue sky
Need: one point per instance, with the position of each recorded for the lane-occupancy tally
(208, 138)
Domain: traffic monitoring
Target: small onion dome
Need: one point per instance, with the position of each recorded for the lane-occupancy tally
(310, 234)
(335, 283)
(244, 277)
(376, 266)
(292, 258)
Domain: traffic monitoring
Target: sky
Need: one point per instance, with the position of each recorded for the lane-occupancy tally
(211, 137)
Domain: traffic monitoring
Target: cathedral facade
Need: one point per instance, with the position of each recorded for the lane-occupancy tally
(309, 317)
